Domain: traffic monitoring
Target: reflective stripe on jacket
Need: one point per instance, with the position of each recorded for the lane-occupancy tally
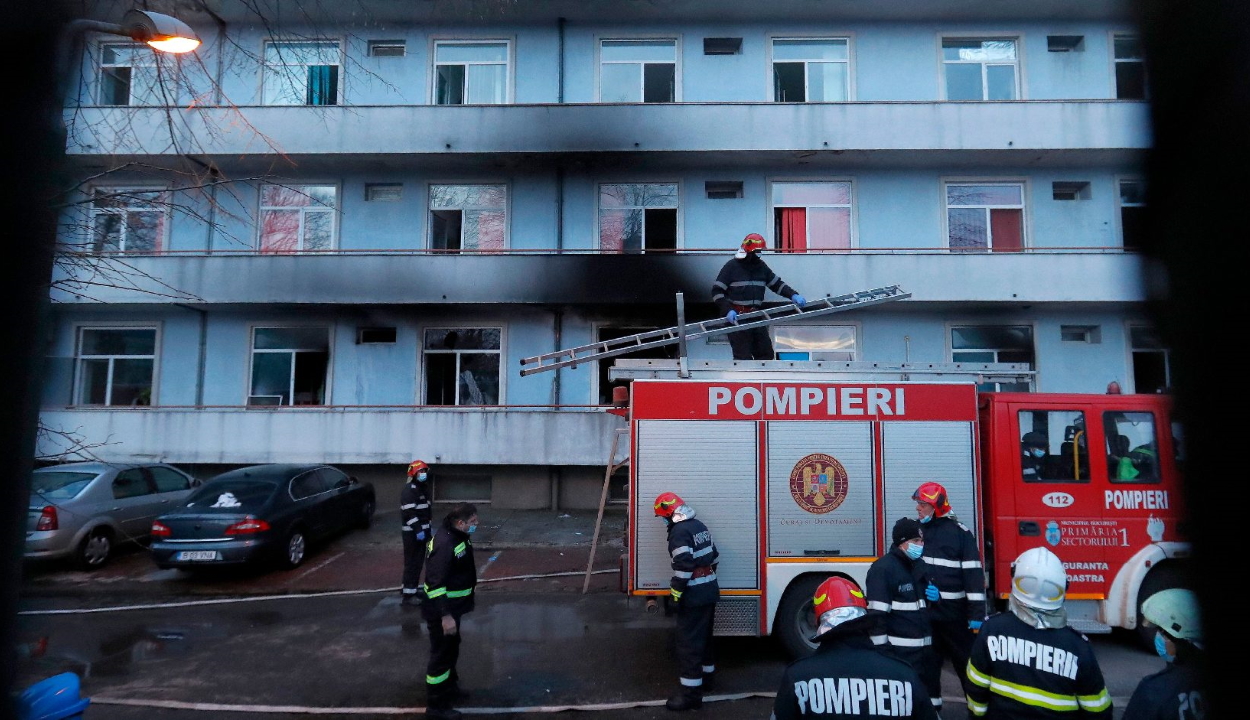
(954, 563)
(450, 574)
(694, 557)
(742, 283)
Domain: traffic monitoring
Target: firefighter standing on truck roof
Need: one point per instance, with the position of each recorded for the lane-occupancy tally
(694, 591)
(1175, 693)
(895, 586)
(1026, 662)
(956, 590)
(739, 288)
(414, 512)
(450, 577)
(846, 677)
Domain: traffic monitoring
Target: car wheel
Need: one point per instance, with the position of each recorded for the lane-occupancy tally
(95, 549)
(366, 514)
(794, 624)
(294, 549)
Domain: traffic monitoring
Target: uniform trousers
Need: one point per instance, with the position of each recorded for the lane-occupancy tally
(441, 678)
(414, 559)
(952, 640)
(694, 642)
(751, 344)
(927, 664)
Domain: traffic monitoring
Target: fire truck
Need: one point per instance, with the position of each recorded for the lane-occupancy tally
(801, 472)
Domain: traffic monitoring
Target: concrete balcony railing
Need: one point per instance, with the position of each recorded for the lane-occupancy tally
(905, 129)
(525, 277)
(348, 435)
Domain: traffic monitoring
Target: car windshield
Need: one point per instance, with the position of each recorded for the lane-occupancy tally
(231, 496)
(60, 485)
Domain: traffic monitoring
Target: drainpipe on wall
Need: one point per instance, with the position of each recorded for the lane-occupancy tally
(202, 361)
(557, 331)
(560, 27)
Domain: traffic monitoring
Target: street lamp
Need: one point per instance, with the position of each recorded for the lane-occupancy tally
(161, 32)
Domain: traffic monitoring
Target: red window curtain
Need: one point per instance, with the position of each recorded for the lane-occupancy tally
(1006, 230)
(793, 226)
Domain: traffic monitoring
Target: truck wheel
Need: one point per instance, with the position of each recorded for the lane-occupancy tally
(794, 624)
(1164, 577)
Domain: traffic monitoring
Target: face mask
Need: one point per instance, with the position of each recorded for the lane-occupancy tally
(1161, 647)
(914, 551)
(1037, 452)
(422, 477)
(471, 529)
(926, 518)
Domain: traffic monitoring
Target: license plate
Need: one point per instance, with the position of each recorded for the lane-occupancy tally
(197, 555)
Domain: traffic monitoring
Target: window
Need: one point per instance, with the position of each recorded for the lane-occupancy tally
(462, 366)
(1132, 213)
(811, 70)
(131, 483)
(168, 480)
(468, 217)
(301, 73)
(1070, 190)
(1132, 447)
(1053, 446)
(812, 215)
(289, 365)
(115, 366)
(722, 46)
(130, 75)
(980, 68)
(471, 73)
(605, 334)
(1152, 362)
(994, 344)
(985, 216)
(296, 218)
(128, 220)
(1088, 334)
(1130, 68)
(1065, 43)
(638, 217)
(633, 71)
(815, 342)
(383, 192)
(723, 189)
(308, 485)
(387, 48)
(374, 335)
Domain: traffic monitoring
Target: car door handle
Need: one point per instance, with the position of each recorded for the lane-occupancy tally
(1029, 528)
(119, 507)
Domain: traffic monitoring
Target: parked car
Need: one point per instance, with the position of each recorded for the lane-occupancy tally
(258, 513)
(83, 510)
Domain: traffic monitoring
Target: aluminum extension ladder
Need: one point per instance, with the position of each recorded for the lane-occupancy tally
(683, 332)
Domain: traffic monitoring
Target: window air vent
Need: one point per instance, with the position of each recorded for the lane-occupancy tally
(387, 48)
(1065, 43)
(374, 335)
(383, 192)
(1069, 190)
(722, 46)
(723, 189)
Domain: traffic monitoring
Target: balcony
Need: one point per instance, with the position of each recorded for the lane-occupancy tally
(912, 134)
(1055, 275)
(348, 435)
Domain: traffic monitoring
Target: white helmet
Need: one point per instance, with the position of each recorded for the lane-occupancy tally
(1175, 611)
(1038, 579)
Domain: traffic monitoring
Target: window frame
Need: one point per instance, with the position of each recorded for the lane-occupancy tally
(1113, 61)
(76, 390)
(509, 72)
(680, 243)
(165, 200)
(1130, 351)
(334, 212)
(949, 331)
(1026, 216)
(331, 330)
(1119, 207)
(1015, 36)
(427, 224)
(341, 65)
(164, 61)
(677, 63)
(774, 243)
(1085, 414)
(473, 324)
(769, 60)
(855, 326)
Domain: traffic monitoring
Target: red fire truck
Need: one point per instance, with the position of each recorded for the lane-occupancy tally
(801, 478)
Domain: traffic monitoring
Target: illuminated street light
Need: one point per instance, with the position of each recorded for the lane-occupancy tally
(162, 32)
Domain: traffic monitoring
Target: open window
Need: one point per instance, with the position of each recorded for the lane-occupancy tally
(290, 365)
(468, 217)
(638, 217)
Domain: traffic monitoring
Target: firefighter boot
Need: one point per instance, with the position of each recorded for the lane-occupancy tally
(686, 699)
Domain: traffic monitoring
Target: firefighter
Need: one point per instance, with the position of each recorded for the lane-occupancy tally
(1026, 662)
(955, 594)
(896, 585)
(1175, 693)
(450, 577)
(846, 677)
(414, 513)
(739, 288)
(694, 591)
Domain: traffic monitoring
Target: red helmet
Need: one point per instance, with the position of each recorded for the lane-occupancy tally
(838, 594)
(753, 242)
(667, 503)
(416, 466)
(935, 495)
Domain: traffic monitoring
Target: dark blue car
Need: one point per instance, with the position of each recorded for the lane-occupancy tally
(260, 513)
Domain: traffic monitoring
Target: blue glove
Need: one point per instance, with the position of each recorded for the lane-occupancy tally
(931, 593)
(974, 625)
(798, 299)
(732, 317)
(421, 535)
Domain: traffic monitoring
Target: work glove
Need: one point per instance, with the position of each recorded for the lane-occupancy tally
(670, 607)
(421, 535)
(974, 625)
(931, 593)
(798, 299)
(732, 317)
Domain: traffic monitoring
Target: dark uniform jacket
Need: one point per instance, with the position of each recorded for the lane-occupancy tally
(694, 563)
(414, 508)
(954, 563)
(1021, 672)
(740, 285)
(1172, 694)
(895, 591)
(450, 574)
(847, 678)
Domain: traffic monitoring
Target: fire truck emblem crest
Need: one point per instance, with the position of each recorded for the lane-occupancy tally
(818, 483)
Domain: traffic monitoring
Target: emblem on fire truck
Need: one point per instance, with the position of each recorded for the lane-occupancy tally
(818, 483)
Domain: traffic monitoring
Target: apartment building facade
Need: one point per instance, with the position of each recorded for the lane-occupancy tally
(332, 235)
